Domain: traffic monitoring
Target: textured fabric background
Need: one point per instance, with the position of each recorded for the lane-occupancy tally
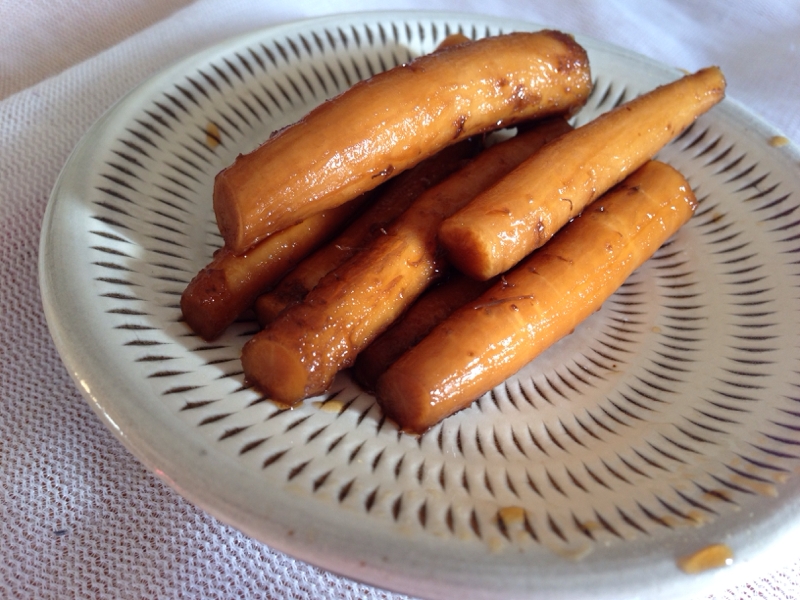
(79, 516)
(43, 38)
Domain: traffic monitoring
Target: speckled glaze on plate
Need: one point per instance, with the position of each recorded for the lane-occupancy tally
(666, 423)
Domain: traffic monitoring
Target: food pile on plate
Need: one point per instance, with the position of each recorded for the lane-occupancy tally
(390, 231)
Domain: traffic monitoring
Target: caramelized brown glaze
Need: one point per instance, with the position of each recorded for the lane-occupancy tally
(384, 125)
(433, 307)
(392, 199)
(507, 222)
(299, 353)
(539, 302)
(229, 284)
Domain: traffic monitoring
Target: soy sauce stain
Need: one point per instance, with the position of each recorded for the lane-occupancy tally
(714, 556)
(213, 138)
(776, 141)
(511, 515)
(331, 406)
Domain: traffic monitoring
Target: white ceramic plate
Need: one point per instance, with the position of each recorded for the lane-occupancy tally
(667, 422)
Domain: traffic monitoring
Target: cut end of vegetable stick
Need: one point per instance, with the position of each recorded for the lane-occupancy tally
(467, 250)
(406, 400)
(201, 302)
(262, 355)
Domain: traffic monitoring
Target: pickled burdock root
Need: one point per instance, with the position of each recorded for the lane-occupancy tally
(230, 283)
(538, 302)
(392, 121)
(299, 354)
(507, 222)
(393, 198)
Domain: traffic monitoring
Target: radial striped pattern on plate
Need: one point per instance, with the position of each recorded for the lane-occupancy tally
(672, 405)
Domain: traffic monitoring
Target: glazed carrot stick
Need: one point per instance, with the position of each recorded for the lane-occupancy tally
(384, 125)
(433, 307)
(229, 284)
(537, 303)
(393, 198)
(504, 224)
(298, 354)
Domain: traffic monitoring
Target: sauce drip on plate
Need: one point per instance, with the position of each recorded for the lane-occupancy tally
(710, 557)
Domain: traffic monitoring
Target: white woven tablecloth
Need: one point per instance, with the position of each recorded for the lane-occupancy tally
(79, 516)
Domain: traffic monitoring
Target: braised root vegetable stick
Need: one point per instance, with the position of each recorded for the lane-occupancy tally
(229, 284)
(390, 122)
(505, 223)
(537, 303)
(395, 197)
(298, 354)
(430, 309)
